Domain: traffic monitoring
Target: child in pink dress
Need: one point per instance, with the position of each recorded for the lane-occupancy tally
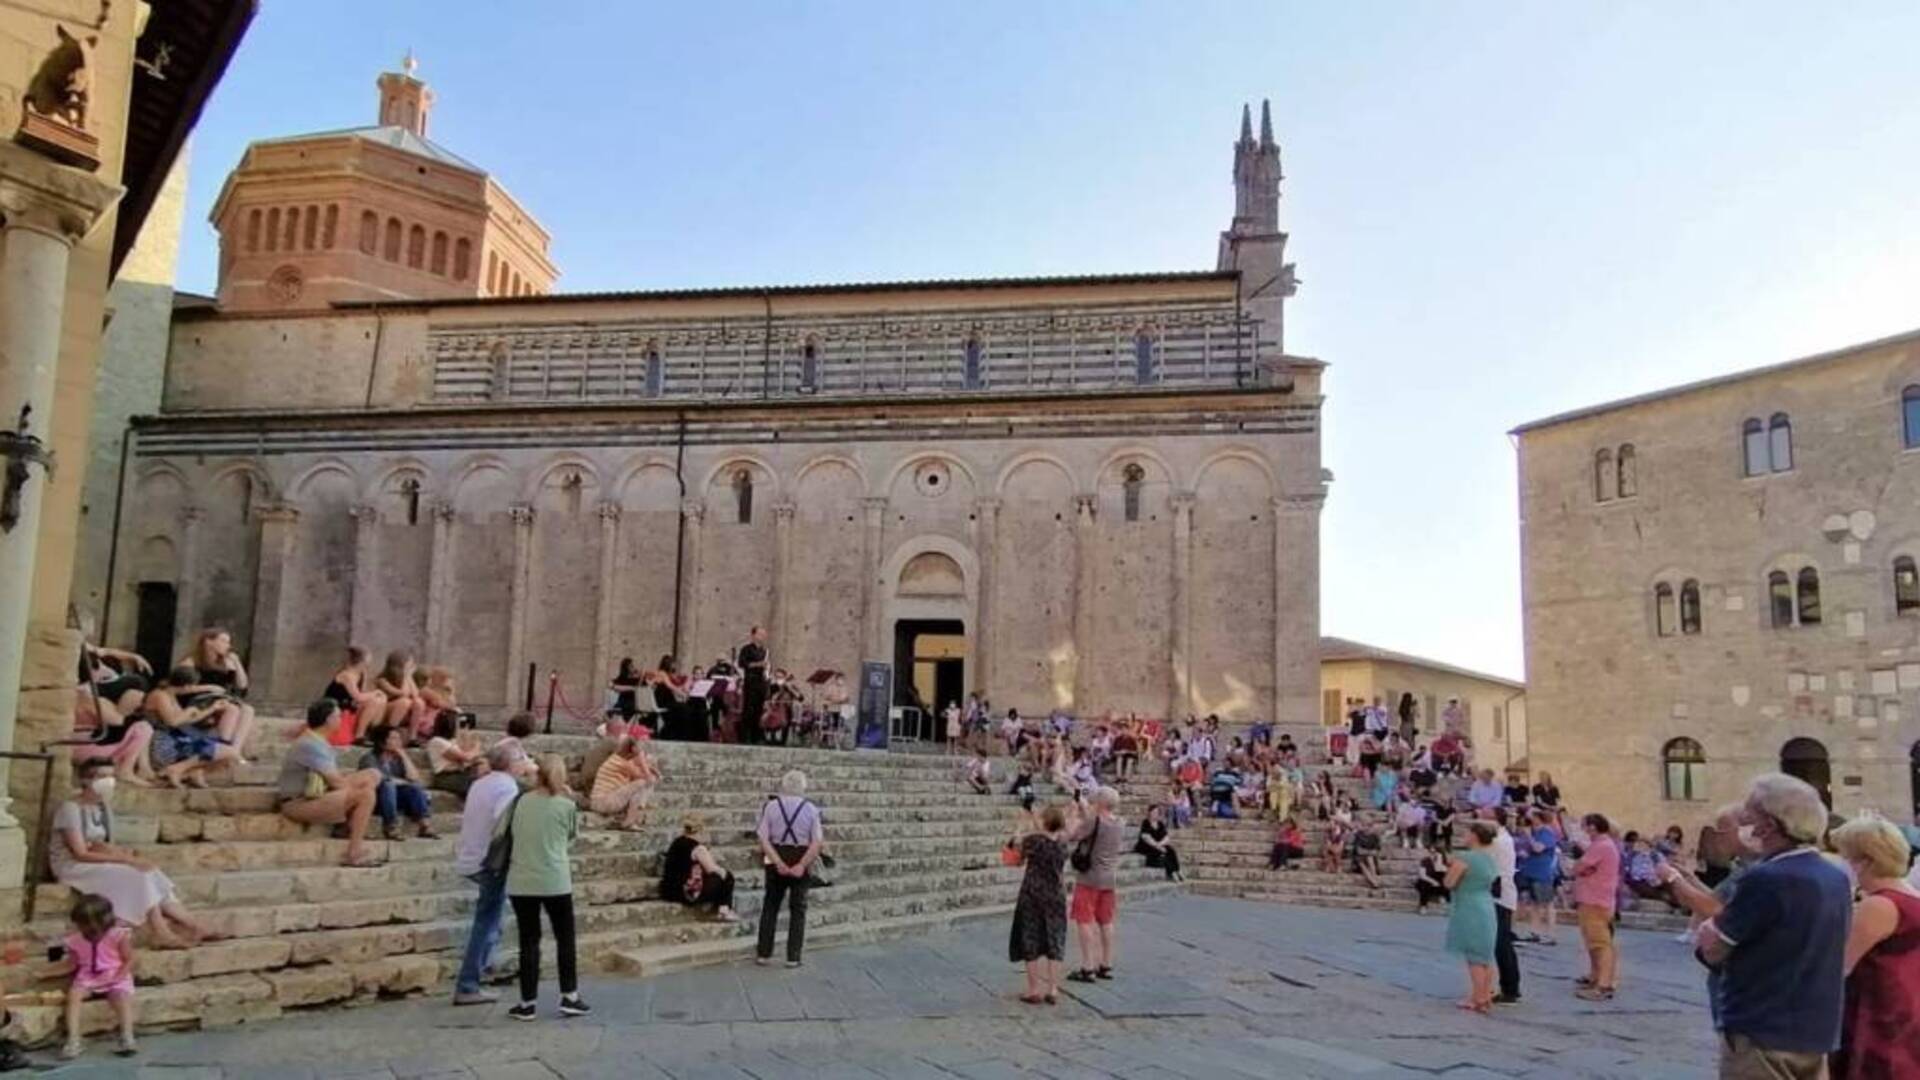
(101, 951)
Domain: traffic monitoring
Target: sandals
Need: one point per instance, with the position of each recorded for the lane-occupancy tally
(1033, 999)
(1083, 975)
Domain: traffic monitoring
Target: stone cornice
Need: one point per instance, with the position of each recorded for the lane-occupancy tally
(45, 196)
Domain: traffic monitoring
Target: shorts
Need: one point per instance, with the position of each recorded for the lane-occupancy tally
(1091, 905)
(1596, 927)
(1535, 890)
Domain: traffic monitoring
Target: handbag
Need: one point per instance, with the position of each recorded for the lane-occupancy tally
(500, 848)
(1082, 857)
(1010, 853)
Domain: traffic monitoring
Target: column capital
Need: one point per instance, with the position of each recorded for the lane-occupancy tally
(1182, 502)
(192, 514)
(1083, 507)
(608, 510)
(875, 507)
(442, 510)
(47, 197)
(694, 509)
(280, 513)
(987, 505)
(522, 514)
(364, 514)
(783, 513)
(1300, 504)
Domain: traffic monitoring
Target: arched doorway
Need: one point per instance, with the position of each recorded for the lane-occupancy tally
(930, 617)
(1807, 759)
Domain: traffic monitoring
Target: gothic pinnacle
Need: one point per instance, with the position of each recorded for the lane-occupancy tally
(1266, 125)
(1246, 123)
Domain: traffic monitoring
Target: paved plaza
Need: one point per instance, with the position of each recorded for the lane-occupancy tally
(1208, 989)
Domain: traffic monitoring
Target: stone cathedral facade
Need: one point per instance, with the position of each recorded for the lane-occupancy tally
(1087, 493)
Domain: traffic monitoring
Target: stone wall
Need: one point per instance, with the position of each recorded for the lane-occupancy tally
(1608, 692)
(490, 542)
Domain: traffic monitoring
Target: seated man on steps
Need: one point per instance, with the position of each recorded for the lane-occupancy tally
(313, 790)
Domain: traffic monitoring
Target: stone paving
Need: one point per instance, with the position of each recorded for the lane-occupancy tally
(1209, 989)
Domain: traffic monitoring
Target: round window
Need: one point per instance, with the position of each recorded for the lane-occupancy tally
(931, 479)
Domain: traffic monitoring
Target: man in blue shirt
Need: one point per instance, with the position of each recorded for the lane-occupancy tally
(1776, 951)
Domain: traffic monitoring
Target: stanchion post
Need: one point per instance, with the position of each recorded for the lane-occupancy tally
(553, 687)
(533, 671)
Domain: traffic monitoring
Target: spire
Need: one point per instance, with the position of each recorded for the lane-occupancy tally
(409, 63)
(1246, 123)
(404, 99)
(1266, 125)
(1256, 175)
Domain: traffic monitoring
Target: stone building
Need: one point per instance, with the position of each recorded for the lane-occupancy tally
(1088, 493)
(96, 100)
(1495, 708)
(1720, 580)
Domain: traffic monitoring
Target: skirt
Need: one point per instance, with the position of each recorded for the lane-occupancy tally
(171, 745)
(133, 893)
(1039, 931)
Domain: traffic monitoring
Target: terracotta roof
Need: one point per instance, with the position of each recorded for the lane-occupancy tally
(1333, 648)
(927, 285)
(180, 57)
(1717, 380)
(391, 135)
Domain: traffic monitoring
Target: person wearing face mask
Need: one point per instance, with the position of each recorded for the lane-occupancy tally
(85, 859)
(1776, 952)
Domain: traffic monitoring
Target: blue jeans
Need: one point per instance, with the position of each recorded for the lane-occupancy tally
(397, 797)
(484, 936)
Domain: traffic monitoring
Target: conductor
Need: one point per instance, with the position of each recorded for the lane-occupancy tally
(752, 660)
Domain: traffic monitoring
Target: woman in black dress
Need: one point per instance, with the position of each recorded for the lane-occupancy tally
(678, 718)
(1154, 846)
(1039, 937)
(690, 875)
(626, 689)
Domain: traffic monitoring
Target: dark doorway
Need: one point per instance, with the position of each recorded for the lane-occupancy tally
(929, 664)
(153, 630)
(1913, 777)
(1807, 759)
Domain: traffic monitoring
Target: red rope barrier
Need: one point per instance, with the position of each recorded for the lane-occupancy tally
(560, 695)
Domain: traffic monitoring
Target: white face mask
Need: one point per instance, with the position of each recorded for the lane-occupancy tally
(1747, 839)
(103, 787)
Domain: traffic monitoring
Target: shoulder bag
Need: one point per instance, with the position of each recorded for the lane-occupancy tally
(500, 848)
(1082, 857)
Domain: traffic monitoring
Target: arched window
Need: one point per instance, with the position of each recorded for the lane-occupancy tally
(1143, 358)
(390, 250)
(1780, 442)
(462, 258)
(1690, 607)
(1780, 598)
(970, 371)
(293, 228)
(493, 274)
(1603, 475)
(330, 230)
(1663, 609)
(417, 247)
(437, 263)
(743, 495)
(1133, 478)
(273, 229)
(1809, 596)
(1627, 470)
(369, 232)
(1684, 766)
(310, 228)
(809, 367)
(1753, 447)
(1910, 415)
(410, 493)
(513, 289)
(253, 230)
(1906, 586)
(656, 373)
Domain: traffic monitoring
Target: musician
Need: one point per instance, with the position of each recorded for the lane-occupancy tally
(752, 659)
(677, 720)
(783, 707)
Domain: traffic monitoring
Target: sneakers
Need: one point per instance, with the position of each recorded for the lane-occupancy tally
(575, 1005)
(524, 1011)
(475, 997)
(1506, 999)
(1593, 993)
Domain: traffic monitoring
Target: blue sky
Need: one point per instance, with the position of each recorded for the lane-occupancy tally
(1499, 211)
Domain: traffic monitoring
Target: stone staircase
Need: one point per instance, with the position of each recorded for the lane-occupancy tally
(914, 849)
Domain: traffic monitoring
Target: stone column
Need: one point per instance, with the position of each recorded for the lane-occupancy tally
(1180, 629)
(986, 515)
(44, 209)
(1085, 539)
(779, 643)
(440, 580)
(366, 544)
(186, 599)
(695, 513)
(873, 598)
(522, 514)
(1296, 610)
(279, 524)
(603, 605)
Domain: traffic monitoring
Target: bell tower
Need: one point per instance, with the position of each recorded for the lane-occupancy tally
(1253, 244)
(404, 99)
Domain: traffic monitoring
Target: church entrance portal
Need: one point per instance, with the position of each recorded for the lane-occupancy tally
(154, 623)
(929, 670)
(1807, 759)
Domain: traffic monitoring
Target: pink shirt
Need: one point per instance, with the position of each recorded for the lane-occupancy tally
(1596, 877)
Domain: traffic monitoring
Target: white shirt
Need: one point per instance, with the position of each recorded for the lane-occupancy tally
(1503, 861)
(487, 799)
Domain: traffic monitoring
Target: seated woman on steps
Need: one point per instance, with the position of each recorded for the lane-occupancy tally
(85, 859)
(406, 708)
(454, 756)
(182, 749)
(220, 668)
(113, 738)
(690, 875)
(361, 706)
(623, 785)
(313, 791)
(401, 794)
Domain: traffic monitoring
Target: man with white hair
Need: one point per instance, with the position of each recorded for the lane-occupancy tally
(789, 833)
(1098, 840)
(488, 798)
(1777, 950)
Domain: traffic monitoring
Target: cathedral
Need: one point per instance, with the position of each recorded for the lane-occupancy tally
(388, 429)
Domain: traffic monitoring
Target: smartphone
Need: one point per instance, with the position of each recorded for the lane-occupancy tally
(56, 953)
